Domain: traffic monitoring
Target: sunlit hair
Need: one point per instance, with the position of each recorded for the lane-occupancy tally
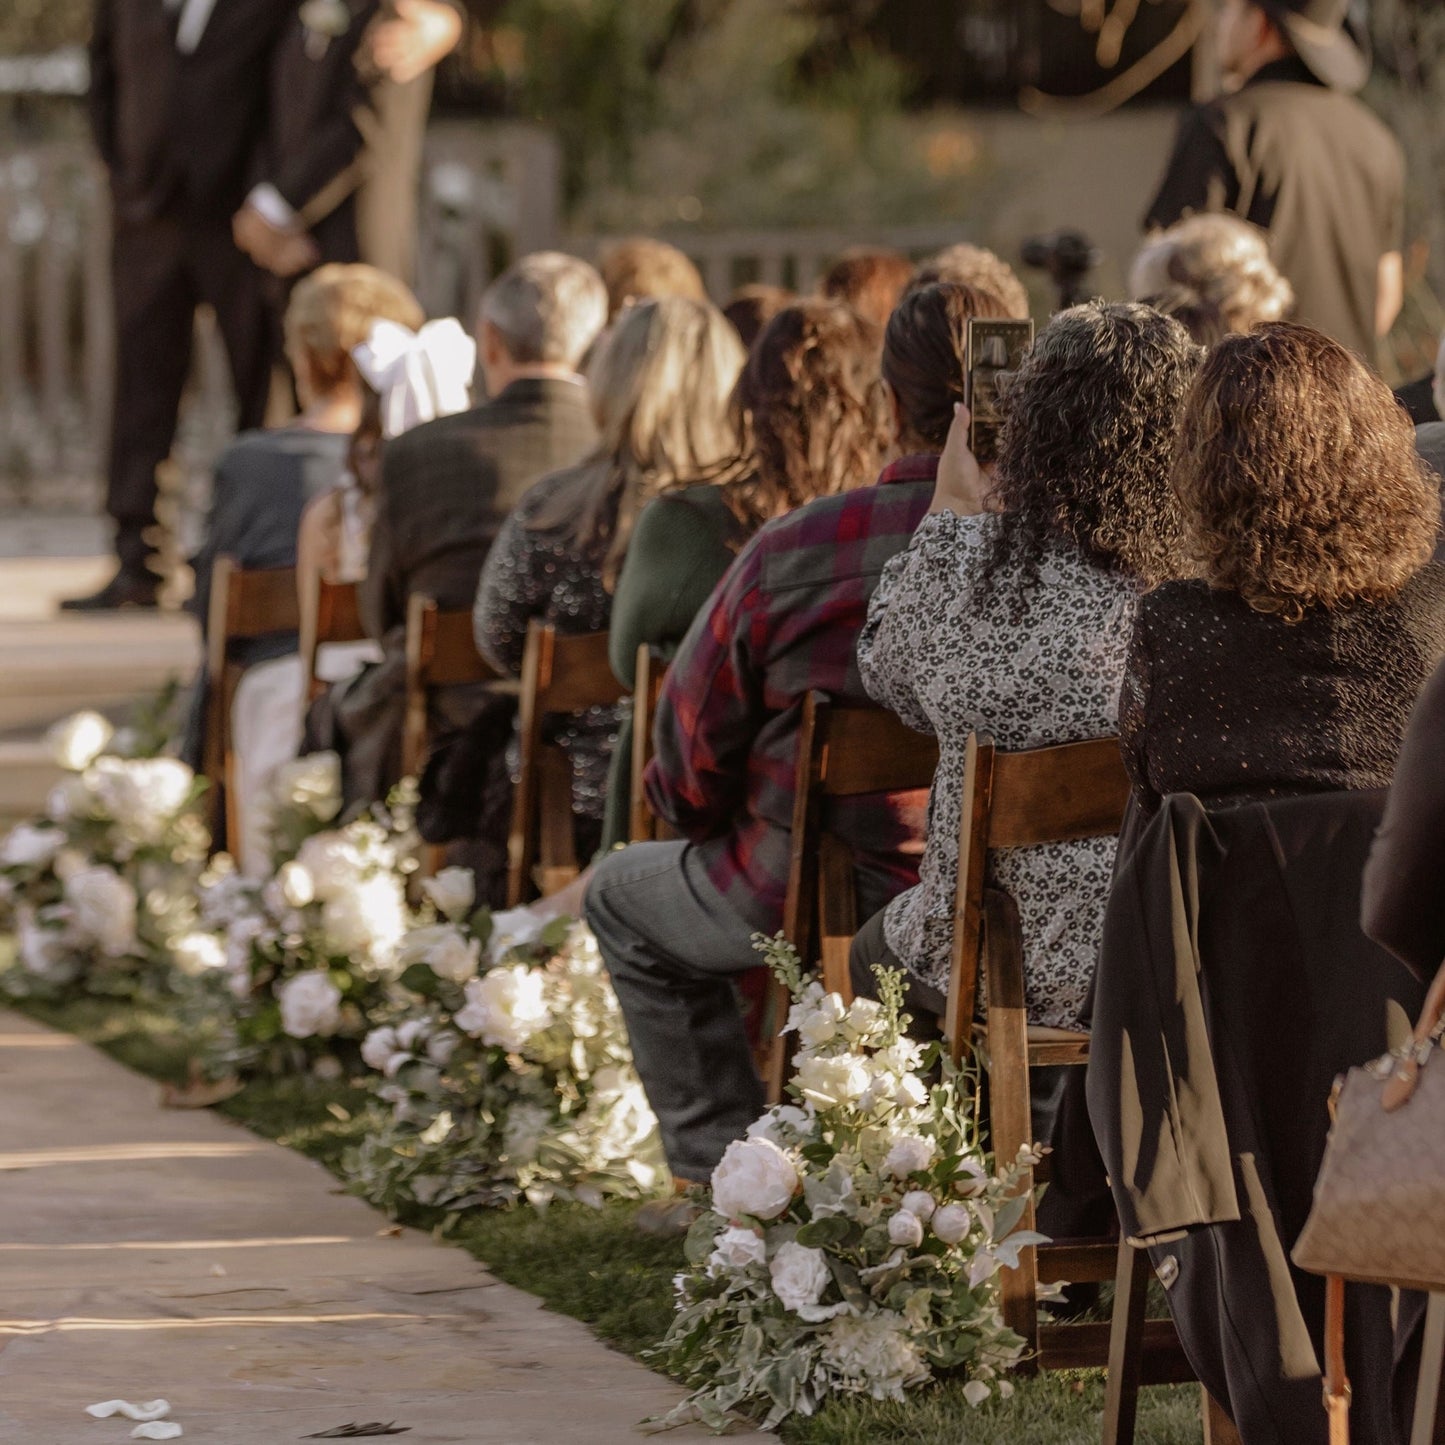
(1297, 476)
(966, 265)
(810, 410)
(641, 268)
(925, 352)
(333, 310)
(750, 308)
(870, 279)
(1213, 273)
(660, 384)
(1087, 444)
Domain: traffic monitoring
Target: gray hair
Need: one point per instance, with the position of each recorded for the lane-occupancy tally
(548, 309)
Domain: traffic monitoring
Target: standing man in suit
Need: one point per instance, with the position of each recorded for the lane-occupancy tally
(1291, 149)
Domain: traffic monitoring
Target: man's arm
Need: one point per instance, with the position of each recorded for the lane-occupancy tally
(711, 708)
(1389, 292)
(381, 594)
(1199, 176)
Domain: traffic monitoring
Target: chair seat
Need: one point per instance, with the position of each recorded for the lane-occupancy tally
(1038, 1034)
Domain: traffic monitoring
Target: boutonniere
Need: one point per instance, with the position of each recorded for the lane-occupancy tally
(325, 21)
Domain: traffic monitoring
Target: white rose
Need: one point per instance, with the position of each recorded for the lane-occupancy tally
(781, 1121)
(754, 1177)
(444, 949)
(452, 892)
(505, 1007)
(800, 1275)
(76, 742)
(143, 795)
(735, 1249)
(905, 1228)
(920, 1203)
(333, 861)
(367, 918)
(378, 1046)
(298, 887)
(103, 907)
(836, 1079)
(910, 1154)
(310, 1005)
(952, 1222)
(28, 846)
(513, 928)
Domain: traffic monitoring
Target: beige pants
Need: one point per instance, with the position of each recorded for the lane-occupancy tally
(386, 205)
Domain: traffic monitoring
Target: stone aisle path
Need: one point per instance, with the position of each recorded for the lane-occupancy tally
(152, 1253)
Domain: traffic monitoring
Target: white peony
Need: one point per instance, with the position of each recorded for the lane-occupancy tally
(754, 1177)
(874, 1354)
(77, 741)
(143, 795)
(310, 1004)
(334, 862)
(920, 1203)
(735, 1249)
(834, 1079)
(505, 1007)
(29, 846)
(952, 1222)
(368, 919)
(452, 892)
(297, 885)
(800, 1275)
(103, 909)
(910, 1154)
(444, 949)
(513, 928)
(905, 1228)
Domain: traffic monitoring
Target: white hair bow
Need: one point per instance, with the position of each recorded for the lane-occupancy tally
(419, 375)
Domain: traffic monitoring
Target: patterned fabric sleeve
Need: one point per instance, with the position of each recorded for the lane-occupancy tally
(1134, 710)
(711, 709)
(514, 588)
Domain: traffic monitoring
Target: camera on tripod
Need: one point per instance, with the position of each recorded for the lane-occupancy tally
(1068, 257)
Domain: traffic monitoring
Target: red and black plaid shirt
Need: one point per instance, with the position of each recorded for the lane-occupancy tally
(782, 623)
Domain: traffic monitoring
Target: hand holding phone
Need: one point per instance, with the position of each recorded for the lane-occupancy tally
(996, 349)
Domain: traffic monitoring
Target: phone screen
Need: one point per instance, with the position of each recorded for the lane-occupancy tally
(995, 348)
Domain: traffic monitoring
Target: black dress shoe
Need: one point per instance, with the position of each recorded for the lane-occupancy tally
(124, 590)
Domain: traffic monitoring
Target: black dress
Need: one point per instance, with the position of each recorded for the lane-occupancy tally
(1235, 705)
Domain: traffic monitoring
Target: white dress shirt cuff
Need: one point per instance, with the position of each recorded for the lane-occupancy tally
(272, 206)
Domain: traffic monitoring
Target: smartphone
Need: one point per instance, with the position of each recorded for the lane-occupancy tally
(995, 349)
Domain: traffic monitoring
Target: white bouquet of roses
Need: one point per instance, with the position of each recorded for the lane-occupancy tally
(511, 1078)
(96, 890)
(855, 1234)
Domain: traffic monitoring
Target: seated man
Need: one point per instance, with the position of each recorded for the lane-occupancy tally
(674, 921)
(445, 488)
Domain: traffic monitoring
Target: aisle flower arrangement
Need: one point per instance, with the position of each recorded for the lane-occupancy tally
(96, 890)
(511, 1077)
(854, 1236)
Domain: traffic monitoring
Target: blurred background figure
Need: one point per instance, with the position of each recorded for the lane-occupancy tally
(641, 268)
(752, 307)
(870, 279)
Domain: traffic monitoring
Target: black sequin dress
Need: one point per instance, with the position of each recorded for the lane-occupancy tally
(1236, 705)
(533, 573)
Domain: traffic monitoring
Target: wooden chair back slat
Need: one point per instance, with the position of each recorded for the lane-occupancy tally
(1057, 795)
(246, 604)
(651, 674)
(331, 615)
(559, 675)
(440, 652)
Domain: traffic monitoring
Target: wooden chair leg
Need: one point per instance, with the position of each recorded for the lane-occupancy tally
(1218, 1427)
(1432, 1361)
(1126, 1345)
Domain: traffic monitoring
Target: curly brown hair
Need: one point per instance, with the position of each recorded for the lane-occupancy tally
(870, 279)
(810, 409)
(1297, 476)
(925, 353)
(1087, 443)
(966, 265)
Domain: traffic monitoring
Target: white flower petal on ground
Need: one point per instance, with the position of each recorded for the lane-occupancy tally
(310, 1005)
(976, 1392)
(151, 1410)
(75, 742)
(103, 909)
(799, 1275)
(452, 892)
(754, 1177)
(29, 846)
(158, 1430)
(735, 1249)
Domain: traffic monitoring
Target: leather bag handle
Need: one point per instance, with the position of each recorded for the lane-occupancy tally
(1337, 1382)
(1400, 1086)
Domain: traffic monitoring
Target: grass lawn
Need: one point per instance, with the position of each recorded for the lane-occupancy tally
(593, 1265)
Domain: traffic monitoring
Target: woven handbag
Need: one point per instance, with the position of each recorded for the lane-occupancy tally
(1379, 1205)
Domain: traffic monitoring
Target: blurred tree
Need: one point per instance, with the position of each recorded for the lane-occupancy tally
(29, 27)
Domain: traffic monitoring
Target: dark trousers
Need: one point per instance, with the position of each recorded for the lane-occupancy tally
(162, 270)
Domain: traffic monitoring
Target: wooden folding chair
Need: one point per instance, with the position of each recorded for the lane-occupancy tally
(331, 615)
(1014, 800)
(844, 751)
(560, 674)
(245, 605)
(644, 825)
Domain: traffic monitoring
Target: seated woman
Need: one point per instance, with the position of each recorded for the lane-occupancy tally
(794, 446)
(1213, 273)
(660, 385)
(1290, 661)
(1011, 612)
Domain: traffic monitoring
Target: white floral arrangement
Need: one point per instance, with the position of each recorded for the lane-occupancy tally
(512, 1078)
(97, 889)
(855, 1235)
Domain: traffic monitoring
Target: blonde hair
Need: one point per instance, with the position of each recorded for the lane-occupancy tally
(642, 268)
(333, 310)
(1214, 273)
(660, 386)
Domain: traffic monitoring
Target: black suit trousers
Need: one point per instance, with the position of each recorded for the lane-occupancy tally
(162, 269)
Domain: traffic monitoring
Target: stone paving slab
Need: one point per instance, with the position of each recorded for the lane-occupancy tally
(148, 1252)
